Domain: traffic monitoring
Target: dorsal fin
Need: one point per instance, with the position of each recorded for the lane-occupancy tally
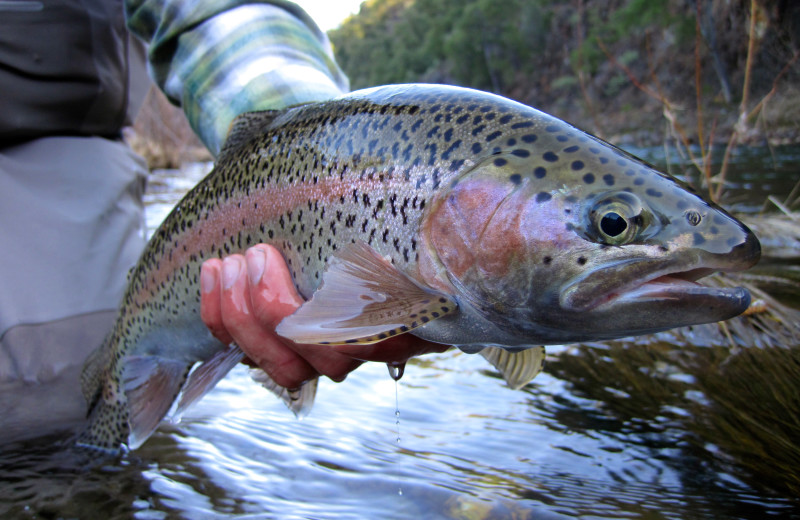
(363, 298)
(243, 128)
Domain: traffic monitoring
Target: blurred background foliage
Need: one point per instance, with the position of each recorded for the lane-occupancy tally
(606, 64)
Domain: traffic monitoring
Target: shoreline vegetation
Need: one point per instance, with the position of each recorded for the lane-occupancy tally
(682, 73)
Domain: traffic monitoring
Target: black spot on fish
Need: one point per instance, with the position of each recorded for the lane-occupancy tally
(529, 138)
(653, 192)
(521, 153)
(608, 179)
(476, 148)
(515, 178)
(500, 162)
(505, 119)
(588, 178)
(698, 239)
(511, 142)
(457, 164)
(540, 172)
(551, 129)
(524, 124)
(572, 149)
(562, 138)
(582, 260)
(547, 260)
(577, 165)
(453, 147)
(543, 196)
(494, 135)
(550, 157)
(638, 182)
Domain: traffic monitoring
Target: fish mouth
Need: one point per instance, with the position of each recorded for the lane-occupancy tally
(684, 287)
(662, 286)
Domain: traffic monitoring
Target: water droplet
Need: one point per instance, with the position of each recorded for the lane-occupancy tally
(396, 370)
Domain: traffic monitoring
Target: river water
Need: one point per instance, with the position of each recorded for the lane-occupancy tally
(581, 440)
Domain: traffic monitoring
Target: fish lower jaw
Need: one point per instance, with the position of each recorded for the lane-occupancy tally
(675, 292)
(660, 286)
(666, 286)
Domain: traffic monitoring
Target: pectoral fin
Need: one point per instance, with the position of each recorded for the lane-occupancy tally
(151, 384)
(517, 368)
(363, 298)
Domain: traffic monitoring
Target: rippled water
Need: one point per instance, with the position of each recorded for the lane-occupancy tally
(470, 448)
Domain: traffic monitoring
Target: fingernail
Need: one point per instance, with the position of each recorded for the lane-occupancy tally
(208, 279)
(256, 260)
(230, 272)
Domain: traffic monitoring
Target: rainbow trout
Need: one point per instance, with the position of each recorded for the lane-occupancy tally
(458, 216)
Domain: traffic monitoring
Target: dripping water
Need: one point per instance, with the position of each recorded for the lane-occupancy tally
(396, 371)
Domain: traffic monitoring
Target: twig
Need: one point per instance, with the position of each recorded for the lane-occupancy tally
(698, 87)
(748, 68)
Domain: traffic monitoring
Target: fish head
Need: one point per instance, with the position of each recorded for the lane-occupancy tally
(558, 236)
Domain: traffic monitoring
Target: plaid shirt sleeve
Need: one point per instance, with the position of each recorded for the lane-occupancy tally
(221, 58)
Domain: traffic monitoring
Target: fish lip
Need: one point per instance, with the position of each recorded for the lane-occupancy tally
(661, 280)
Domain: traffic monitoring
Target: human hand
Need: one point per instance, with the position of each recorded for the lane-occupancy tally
(243, 299)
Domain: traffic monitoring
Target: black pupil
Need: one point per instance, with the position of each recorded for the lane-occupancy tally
(613, 224)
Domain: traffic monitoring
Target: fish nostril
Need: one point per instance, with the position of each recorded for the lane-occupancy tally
(693, 217)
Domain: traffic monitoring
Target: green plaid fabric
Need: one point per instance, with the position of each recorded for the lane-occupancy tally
(221, 58)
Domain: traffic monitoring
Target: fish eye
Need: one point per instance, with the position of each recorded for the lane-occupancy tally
(617, 220)
(613, 224)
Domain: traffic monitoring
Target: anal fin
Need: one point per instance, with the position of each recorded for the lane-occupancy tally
(363, 298)
(517, 368)
(151, 384)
